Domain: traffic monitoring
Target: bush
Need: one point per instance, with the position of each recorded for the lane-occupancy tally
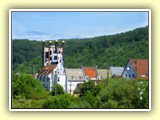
(26, 86)
(61, 101)
(57, 89)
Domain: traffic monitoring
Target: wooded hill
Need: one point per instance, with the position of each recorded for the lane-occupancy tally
(103, 51)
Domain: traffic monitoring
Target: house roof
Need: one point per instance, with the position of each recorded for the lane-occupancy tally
(47, 69)
(116, 71)
(74, 74)
(78, 88)
(103, 72)
(141, 67)
(91, 72)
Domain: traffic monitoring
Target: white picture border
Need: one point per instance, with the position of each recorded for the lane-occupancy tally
(80, 10)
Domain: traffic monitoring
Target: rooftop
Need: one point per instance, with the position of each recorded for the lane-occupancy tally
(91, 72)
(74, 74)
(141, 67)
(116, 71)
(47, 69)
(103, 73)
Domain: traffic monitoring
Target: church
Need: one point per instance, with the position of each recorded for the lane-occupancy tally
(53, 71)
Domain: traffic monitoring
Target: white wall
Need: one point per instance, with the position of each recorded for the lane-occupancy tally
(71, 86)
(62, 80)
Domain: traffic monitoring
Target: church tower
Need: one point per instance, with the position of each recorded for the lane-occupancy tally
(53, 70)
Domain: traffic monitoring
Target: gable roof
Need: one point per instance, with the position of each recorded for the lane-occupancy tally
(47, 69)
(141, 67)
(103, 73)
(116, 71)
(78, 88)
(74, 74)
(91, 72)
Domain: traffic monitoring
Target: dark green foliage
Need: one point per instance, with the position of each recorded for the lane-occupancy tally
(25, 86)
(61, 101)
(87, 87)
(26, 56)
(104, 51)
(115, 49)
(57, 89)
(121, 93)
(27, 103)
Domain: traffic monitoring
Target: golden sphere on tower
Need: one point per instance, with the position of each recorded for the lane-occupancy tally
(63, 41)
(43, 41)
(56, 40)
(50, 41)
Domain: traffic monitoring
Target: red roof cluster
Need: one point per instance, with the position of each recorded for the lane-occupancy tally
(141, 67)
(90, 72)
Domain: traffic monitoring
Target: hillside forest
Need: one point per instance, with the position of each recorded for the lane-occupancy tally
(103, 51)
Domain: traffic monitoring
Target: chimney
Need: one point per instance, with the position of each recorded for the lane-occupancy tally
(43, 46)
(49, 52)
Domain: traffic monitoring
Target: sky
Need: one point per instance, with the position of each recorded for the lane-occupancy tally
(52, 25)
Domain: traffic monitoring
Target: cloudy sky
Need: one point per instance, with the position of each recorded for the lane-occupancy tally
(62, 25)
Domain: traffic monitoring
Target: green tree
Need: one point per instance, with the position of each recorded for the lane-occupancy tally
(57, 89)
(61, 101)
(123, 93)
(87, 87)
(25, 86)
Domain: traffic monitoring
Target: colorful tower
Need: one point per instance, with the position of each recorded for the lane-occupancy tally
(53, 71)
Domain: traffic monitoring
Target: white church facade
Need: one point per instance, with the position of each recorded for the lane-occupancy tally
(53, 71)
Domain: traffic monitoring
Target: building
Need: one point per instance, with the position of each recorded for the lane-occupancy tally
(116, 71)
(104, 73)
(53, 71)
(90, 73)
(74, 77)
(77, 76)
(136, 68)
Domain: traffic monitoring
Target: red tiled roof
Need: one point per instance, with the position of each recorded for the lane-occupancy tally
(90, 72)
(141, 67)
(48, 69)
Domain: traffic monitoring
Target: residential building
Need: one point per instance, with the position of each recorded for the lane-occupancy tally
(74, 77)
(116, 71)
(136, 68)
(103, 73)
(90, 73)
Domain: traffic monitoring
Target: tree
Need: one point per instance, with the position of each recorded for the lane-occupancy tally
(25, 86)
(123, 93)
(61, 101)
(57, 89)
(87, 87)
(88, 51)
